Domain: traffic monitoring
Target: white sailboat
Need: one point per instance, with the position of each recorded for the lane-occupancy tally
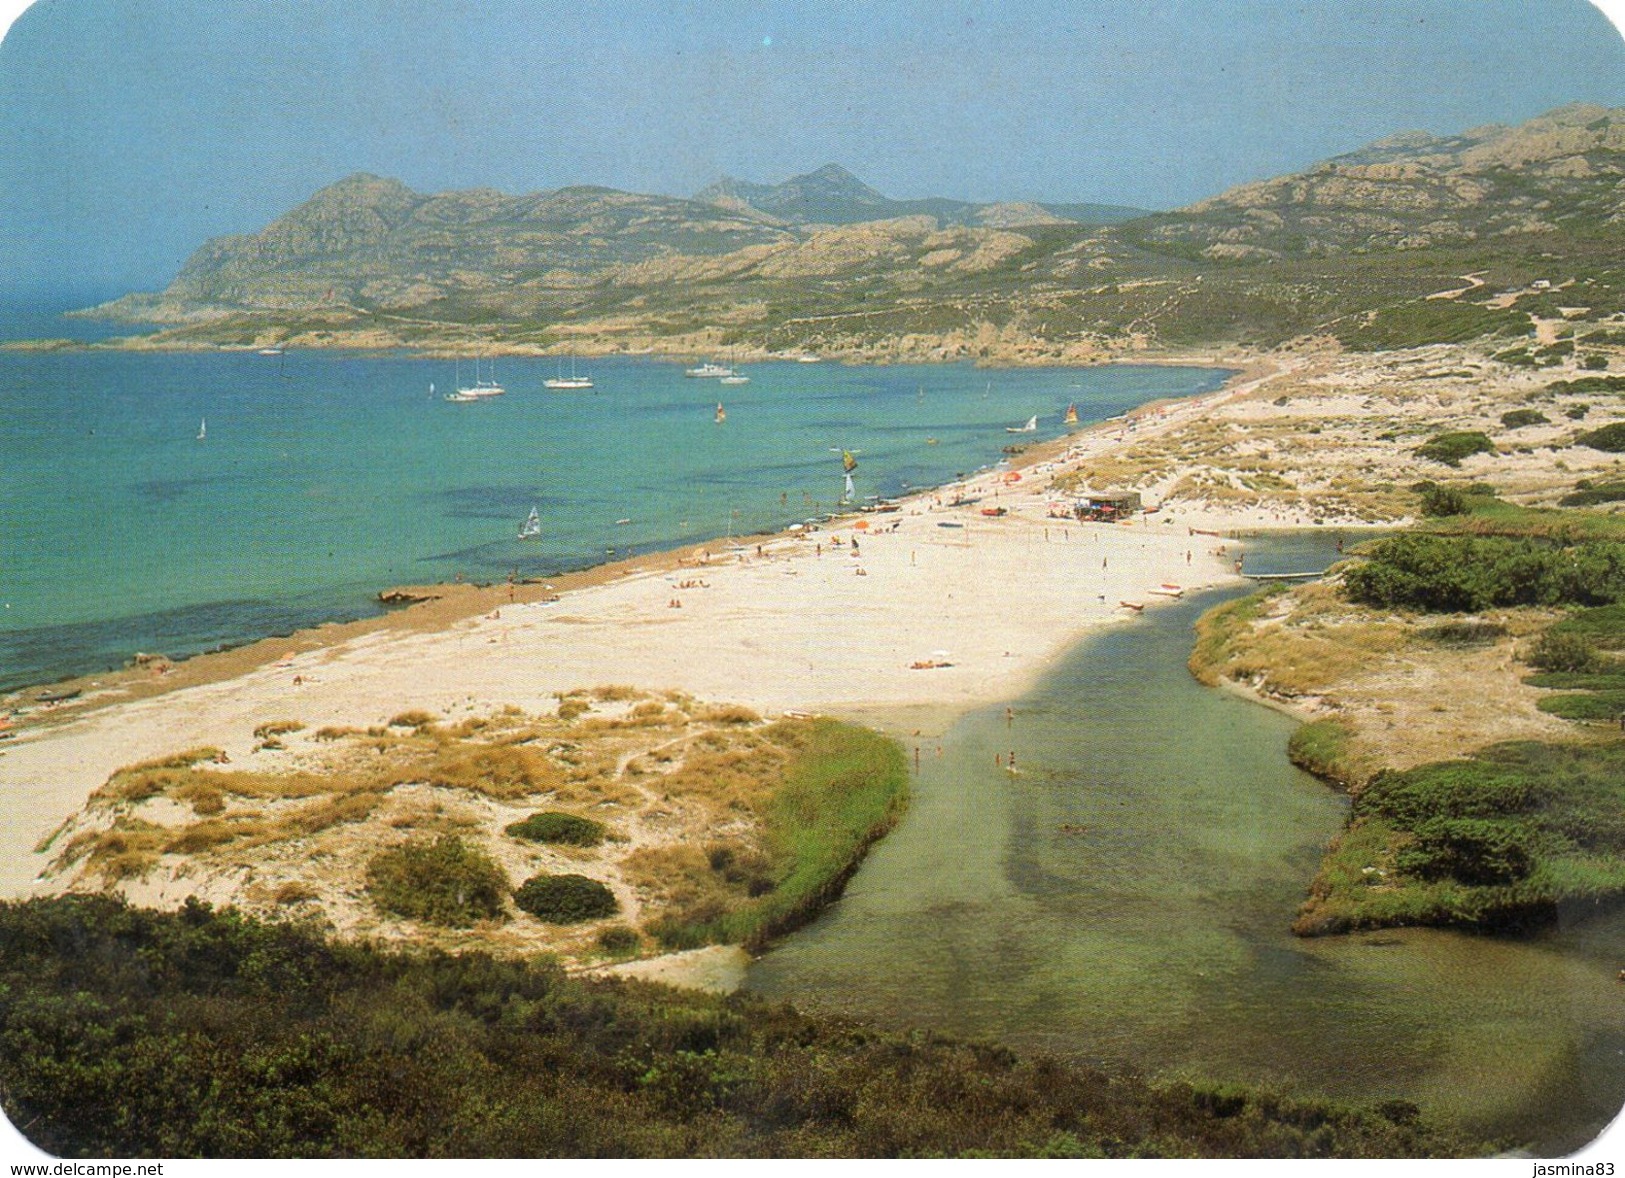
(1030, 428)
(722, 414)
(531, 529)
(202, 430)
(568, 382)
(480, 388)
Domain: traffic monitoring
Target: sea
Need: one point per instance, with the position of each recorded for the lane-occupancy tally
(183, 502)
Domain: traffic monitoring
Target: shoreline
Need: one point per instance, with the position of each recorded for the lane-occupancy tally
(908, 628)
(432, 605)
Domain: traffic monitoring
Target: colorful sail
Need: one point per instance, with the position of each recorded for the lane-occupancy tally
(848, 463)
(1071, 415)
(722, 414)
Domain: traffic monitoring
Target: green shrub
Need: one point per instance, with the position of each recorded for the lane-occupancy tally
(1473, 850)
(1595, 361)
(1610, 438)
(617, 938)
(1588, 706)
(565, 899)
(1591, 496)
(1437, 501)
(1576, 412)
(1318, 747)
(1557, 650)
(1451, 448)
(554, 827)
(1469, 574)
(1602, 626)
(1588, 384)
(1518, 418)
(444, 882)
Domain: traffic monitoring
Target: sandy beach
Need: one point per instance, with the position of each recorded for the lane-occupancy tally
(904, 619)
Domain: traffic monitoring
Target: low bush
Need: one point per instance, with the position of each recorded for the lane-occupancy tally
(1558, 650)
(1518, 418)
(1439, 501)
(1588, 384)
(617, 938)
(1610, 438)
(1586, 707)
(554, 827)
(1603, 626)
(1451, 448)
(1590, 496)
(444, 882)
(1465, 633)
(565, 899)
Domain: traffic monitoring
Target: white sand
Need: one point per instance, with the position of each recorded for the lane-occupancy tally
(798, 628)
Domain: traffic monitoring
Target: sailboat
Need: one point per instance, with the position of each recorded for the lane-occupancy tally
(568, 382)
(1030, 428)
(722, 414)
(531, 529)
(480, 388)
(202, 430)
(709, 369)
(1071, 417)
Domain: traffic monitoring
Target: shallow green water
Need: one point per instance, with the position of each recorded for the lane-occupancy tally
(1152, 934)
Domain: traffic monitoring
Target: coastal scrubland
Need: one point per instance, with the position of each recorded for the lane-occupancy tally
(1453, 823)
(208, 1033)
(697, 824)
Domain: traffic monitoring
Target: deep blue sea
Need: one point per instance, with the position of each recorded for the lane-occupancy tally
(327, 476)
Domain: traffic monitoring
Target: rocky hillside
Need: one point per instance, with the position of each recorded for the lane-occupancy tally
(1507, 231)
(1565, 169)
(834, 196)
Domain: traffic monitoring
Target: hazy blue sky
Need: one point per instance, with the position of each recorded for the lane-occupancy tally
(132, 130)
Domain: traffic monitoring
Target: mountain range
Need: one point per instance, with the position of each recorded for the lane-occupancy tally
(824, 262)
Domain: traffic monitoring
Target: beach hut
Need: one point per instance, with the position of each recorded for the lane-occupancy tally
(1108, 506)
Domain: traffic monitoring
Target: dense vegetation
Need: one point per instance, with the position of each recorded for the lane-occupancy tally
(565, 899)
(551, 826)
(445, 882)
(1508, 839)
(131, 1033)
(1466, 573)
(1580, 657)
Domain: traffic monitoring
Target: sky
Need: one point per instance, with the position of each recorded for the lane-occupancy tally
(133, 130)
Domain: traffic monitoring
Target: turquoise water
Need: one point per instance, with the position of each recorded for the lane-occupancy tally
(326, 477)
(1125, 899)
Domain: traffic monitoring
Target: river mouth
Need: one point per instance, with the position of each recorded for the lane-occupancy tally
(1123, 898)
